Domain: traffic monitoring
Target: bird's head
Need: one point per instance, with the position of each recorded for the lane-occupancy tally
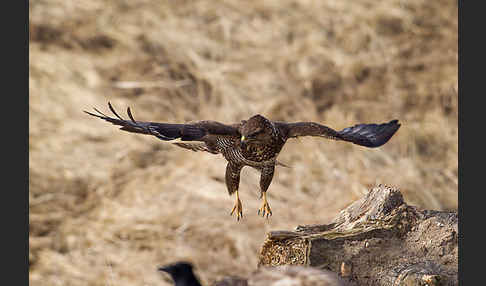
(257, 129)
(177, 269)
(181, 272)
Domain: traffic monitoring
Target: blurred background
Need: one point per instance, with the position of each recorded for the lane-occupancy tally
(106, 207)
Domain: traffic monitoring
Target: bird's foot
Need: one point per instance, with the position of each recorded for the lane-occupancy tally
(265, 209)
(237, 208)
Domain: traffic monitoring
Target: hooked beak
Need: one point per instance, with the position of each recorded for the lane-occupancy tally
(243, 141)
(164, 269)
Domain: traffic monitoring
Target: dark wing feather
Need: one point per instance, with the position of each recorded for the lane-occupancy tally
(369, 135)
(169, 131)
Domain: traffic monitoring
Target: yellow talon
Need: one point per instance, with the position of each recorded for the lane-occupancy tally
(265, 209)
(237, 207)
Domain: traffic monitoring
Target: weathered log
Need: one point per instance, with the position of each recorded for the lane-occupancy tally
(294, 275)
(286, 275)
(377, 240)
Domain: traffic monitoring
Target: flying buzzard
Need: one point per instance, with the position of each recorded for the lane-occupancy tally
(255, 142)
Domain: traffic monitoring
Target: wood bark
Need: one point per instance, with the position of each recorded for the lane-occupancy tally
(377, 240)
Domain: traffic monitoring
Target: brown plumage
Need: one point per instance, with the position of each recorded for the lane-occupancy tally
(255, 142)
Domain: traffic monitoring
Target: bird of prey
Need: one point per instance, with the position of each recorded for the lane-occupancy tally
(255, 142)
(182, 274)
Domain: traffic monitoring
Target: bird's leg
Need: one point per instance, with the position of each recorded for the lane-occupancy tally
(232, 183)
(265, 209)
(265, 180)
(237, 207)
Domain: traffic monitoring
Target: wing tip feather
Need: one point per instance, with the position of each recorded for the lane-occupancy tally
(114, 112)
(129, 112)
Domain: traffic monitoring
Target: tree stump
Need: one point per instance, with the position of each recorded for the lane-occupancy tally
(377, 240)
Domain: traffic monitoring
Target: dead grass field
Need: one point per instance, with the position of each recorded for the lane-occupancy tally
(107, 207)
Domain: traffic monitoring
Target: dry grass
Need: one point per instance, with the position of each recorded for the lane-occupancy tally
(107, 207)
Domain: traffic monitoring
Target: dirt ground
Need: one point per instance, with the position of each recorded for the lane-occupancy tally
(107, 207)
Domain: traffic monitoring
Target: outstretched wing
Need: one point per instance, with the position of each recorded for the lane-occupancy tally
(369, 135)
(198, 131)
(198, 147)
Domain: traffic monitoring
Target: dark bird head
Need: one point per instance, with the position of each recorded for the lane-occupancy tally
(257, 129)
(182, 274)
